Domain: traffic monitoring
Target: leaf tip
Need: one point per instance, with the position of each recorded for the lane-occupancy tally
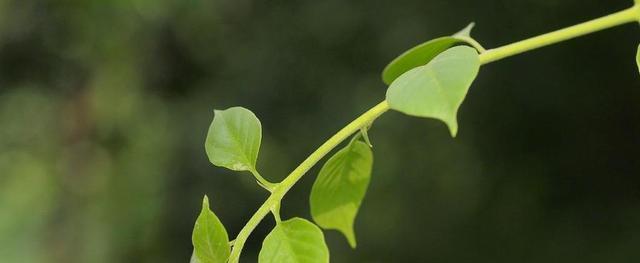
(205, 202)
(453, 127)
(466, 32)
(351, 238)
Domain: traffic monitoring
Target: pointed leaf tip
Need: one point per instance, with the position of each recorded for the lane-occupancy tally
(466, 32)
(638, 57)
(209, 238)
(205, 202)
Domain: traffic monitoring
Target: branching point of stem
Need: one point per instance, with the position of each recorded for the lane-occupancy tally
(283, 187)
(272, 204)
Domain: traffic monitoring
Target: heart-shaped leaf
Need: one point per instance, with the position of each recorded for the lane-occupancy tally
(210, 239)
(233, 140)
(294, 241)
(437, 89)
(425, 52)
(340, 187)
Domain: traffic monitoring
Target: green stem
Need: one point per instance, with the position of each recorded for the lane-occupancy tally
(279, 190)
(615, 19)
(283, 187)
(263, 182)
(276, 213)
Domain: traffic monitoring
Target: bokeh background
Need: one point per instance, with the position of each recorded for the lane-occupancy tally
(104, 108)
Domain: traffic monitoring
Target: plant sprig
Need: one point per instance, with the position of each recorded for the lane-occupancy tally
(429, 81)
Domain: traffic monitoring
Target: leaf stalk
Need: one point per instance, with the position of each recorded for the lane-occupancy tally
(279, 190)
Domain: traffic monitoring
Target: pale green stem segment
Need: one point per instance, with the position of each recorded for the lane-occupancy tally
(279, 190)
(276, 213)
(262, 182)
(615, 19)
(475, 44)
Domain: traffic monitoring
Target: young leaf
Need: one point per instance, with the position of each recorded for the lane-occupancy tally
(233, 140)
(210, 239)
(423, 53)
(340, 187)
(437, 89)
(294, 241)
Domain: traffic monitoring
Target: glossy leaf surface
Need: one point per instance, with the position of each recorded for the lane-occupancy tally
(294, 241)
(340, 187)
(210, 239)
(436, 90)
(233, 140)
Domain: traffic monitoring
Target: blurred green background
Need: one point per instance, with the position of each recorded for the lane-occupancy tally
(104, 108)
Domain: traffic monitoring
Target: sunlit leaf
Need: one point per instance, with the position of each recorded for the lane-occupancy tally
(234, 139)
(423, 53)
(294, 241)
(437, 89)
(340, 187)
(210, 239)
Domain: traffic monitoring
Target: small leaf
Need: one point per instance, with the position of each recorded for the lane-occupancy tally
(210, 239)
(423, 53)
(437, 89)
(340, 187)
(294, 241)
(233, 140)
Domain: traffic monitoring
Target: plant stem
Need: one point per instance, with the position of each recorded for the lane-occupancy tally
(279, 190)
(615, 19)
(261, 181)
(283, 187)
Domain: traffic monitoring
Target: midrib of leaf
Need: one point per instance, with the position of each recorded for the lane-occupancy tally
(342, 171)
(238, 142)
(207, 241)
(440, 89)
(289, 239)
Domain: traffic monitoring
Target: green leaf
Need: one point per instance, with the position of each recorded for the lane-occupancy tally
(234, 139)
(340, 187)
(638, 58)
(437, 89)
(210, 239)
(425, 52)
(294, 241)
